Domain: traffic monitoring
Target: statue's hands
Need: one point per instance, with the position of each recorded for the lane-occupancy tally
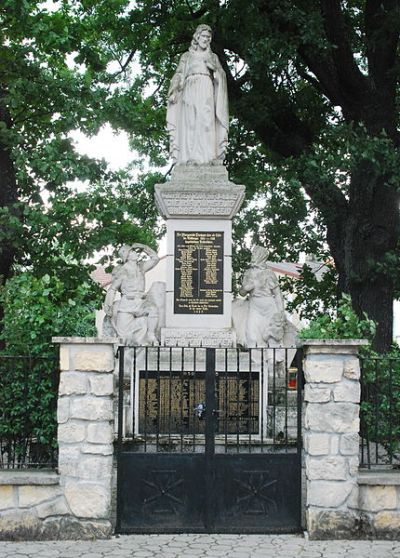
(210, 65)
(108, 310)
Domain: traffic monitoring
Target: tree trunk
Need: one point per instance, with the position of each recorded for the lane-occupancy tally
(372, 230)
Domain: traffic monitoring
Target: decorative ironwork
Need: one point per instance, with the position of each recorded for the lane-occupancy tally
(215, 444)
(164, 494)
(256, 495)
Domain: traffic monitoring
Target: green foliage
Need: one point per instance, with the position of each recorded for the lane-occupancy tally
(345, 325)
(36, 309)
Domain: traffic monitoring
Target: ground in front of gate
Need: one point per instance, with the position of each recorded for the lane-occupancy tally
(194, 546)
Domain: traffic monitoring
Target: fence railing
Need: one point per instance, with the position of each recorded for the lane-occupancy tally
(28, 403)
(163, 398)
(380, 412)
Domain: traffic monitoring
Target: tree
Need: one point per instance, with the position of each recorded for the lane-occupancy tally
(314, 88)
(55, 78)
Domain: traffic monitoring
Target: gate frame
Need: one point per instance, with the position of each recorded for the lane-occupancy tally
(209, 441)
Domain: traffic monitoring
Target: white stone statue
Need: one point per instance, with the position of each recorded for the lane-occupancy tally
(197, 112)
(259, 320)
(136, 315)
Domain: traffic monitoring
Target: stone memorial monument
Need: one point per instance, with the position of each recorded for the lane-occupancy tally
(199, 203)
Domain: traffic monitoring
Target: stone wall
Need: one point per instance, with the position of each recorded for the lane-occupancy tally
(379, 503)
(331, 440)
(76, 501)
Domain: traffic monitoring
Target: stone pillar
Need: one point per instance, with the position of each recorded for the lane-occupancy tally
(86, 432)
(331, 437)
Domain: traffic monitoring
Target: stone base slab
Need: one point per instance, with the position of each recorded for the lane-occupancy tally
(197, 337)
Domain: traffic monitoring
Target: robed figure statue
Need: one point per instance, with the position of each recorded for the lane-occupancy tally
(197, 113)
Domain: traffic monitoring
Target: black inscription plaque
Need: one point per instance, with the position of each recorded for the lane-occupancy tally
(199, 272)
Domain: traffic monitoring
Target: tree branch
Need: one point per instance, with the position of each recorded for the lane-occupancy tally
(382, 26)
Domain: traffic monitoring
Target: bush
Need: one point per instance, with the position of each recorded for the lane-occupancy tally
(36, 309)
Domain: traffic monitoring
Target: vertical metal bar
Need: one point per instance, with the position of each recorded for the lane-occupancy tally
(121, 353)
(286, 398)
(210, 438)
(367, 398)
(376, 411)
(181, 398)
(158, 400)
(261, 403)
(237, 399)
(226, 400)
(249, 401)
(274, 398)
(146, 394)
(391, 420)
(133, 393)
(299, 366)
(170, 398)
(194, 397)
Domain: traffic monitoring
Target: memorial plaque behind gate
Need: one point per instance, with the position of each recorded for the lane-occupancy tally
(199, 260)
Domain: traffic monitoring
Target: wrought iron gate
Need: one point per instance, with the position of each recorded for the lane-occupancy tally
(209, 440)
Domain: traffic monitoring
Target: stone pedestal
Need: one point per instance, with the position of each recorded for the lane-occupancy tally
(199, 204)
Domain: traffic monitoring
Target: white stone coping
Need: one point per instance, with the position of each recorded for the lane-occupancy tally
(87, 340)
(335, 342)
(383, 477)
(28, 477)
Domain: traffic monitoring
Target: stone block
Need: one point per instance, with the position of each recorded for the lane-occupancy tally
(354, 464)
(100, 433)
(388, 521)
(32, 495)
(349, 444)
(323, 370)
(19, 526)
(54, 507)
(100, 359)
(331, 524)
(98, 449)
(6, 497)
(328, 494)
(91, 408)
(102, 384)
(317, 444)
(71, 432)
(334, 448)
(68, 459)
(351, 369)
(316, 394)
(332, 417)
(64, 358)
(62, 410)
(73, 383)
(95, 467)
(70, 528)
(88, 499)
(347, 391)
(329, 468)
(377, 498)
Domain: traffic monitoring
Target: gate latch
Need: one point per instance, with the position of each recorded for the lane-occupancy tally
(200, 411)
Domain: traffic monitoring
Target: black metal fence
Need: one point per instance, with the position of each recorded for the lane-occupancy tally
(163, 390)
(28, 403)
(380, 412)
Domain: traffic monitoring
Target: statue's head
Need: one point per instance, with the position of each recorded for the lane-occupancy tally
(202, 37)
(128, 253)
(259, 257)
